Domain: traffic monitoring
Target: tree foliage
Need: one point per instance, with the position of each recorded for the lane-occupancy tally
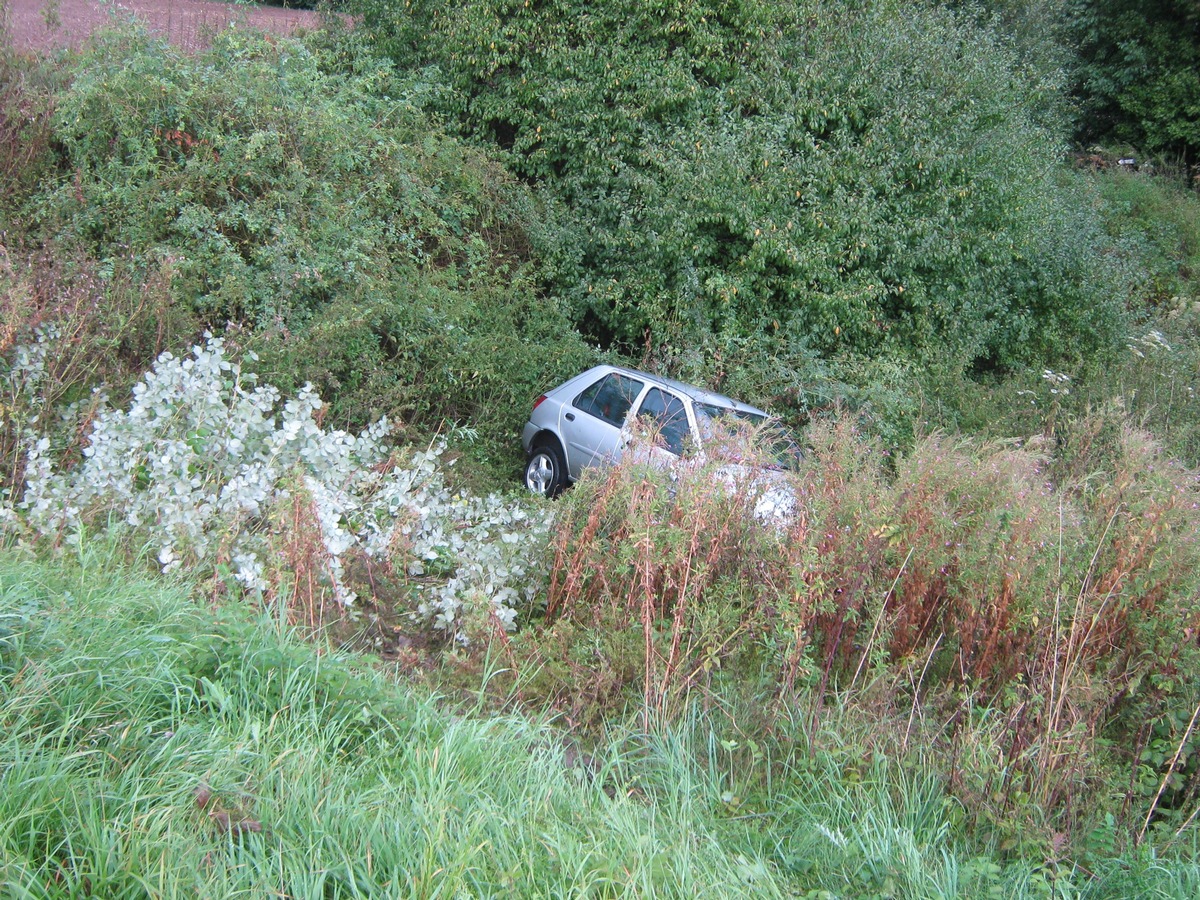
(1139, 73)
(868, 177)
(295, 190)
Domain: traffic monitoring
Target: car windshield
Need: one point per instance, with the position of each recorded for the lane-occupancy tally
(728, 429)
(713, 412)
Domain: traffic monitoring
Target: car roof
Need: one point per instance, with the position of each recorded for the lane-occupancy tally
(698, 394)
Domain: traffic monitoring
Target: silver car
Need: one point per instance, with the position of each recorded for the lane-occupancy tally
(584, 422)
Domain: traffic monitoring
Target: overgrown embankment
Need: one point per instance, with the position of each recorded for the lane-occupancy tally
(154, 746)
(965, 665)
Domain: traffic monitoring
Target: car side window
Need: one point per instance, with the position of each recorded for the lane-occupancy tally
(610, 398)
(669, 417)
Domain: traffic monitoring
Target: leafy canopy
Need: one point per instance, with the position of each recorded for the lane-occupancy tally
(870, 177)
(1139, 72)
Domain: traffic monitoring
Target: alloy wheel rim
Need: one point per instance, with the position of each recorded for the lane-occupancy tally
(539, 474)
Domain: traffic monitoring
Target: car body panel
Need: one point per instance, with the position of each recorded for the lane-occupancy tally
(592, 428)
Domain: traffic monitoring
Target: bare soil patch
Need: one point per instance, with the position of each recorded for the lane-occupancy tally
(39, 25)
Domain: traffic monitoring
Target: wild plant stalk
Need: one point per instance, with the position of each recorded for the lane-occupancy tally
(862, 661)
(1184, 827)
(643, 596)
(915, 706)
(1074, 649)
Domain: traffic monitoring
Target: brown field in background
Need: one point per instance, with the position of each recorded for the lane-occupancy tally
(48, 24)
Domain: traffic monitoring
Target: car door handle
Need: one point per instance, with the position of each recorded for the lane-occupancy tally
(570, 417)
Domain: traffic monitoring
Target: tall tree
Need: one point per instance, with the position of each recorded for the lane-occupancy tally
(1139, 75)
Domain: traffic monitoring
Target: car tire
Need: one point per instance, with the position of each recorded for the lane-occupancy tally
(546, 470)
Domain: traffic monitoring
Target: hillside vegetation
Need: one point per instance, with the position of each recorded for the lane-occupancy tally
(875, 178)
(274, 617)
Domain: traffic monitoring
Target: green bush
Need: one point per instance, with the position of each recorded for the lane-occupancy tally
(433, 357)
(1158, 221)
(1155, 226)
(870, 178)
(295, 190)
(273, 185)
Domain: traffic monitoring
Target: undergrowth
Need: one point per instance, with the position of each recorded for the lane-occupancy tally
(1027, 609)
(152, 744)
(989, 601)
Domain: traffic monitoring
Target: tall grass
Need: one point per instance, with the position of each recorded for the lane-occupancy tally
(1029, 617)
(154, 748)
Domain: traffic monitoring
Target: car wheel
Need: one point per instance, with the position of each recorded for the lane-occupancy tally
(546, 471)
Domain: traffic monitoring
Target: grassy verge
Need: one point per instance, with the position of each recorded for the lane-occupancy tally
(154, 747)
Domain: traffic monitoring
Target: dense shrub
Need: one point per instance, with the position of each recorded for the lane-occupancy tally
(271, 198)
(294, 189)
(863, 177)
(1158, 221)
(1155, 225)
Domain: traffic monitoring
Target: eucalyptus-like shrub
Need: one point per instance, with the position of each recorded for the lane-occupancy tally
(204, 459)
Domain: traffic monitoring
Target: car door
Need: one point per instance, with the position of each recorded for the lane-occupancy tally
(665, 415)
(593, 423)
